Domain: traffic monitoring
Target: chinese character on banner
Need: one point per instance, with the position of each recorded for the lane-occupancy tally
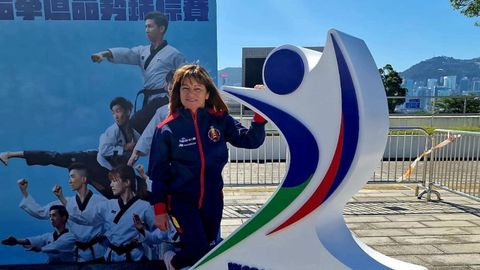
(171, 8)
(57, 9)
(195, 10)
(133, 10)
(28, 9)
(85, 10)
(6, 9)
(108, 8)
(144, 7)
(137, 9)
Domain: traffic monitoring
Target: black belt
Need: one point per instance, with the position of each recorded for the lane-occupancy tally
(146, 94)
(88, 245)
(125, 249)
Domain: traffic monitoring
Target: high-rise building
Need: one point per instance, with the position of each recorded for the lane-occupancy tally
(442, 91)
(409, 84)
(450, 82)
(476, 84)
(419, 83)
(464, 84)
(422, 93)
(431, 83)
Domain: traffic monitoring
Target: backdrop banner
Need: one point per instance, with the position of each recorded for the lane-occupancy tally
(53, 97)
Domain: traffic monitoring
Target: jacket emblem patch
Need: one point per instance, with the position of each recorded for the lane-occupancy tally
(214, 134)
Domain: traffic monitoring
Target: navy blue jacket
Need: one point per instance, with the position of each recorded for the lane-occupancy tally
(189, 152)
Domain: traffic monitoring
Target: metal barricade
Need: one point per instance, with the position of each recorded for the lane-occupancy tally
(263, 166)
(404, 145)
(267, 165)
(455, 166)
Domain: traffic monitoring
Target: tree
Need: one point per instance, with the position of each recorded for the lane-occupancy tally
(467, 104)
(469, 8)
(393, 87)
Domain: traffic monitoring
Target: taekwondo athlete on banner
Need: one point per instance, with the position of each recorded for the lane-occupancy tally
(117, 215)
(89, 244)
(155, 61)
(58, 245)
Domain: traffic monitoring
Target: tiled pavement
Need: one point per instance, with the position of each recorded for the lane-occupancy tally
(389, 218)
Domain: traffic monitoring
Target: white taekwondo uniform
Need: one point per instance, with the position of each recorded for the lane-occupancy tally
(154, 240)
(120, 230)
(89, 244)
(112, 142)
(58, 247)
(145, 141)
(166, 59)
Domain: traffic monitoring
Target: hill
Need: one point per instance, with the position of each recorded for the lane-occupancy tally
(233, 76)
(435, 67)
(440, 66)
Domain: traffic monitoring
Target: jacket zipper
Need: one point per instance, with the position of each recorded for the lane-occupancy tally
(202, 161)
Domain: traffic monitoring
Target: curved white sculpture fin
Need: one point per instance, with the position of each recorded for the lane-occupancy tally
(331, 108)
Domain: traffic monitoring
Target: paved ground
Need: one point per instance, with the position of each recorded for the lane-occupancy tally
(389, 218)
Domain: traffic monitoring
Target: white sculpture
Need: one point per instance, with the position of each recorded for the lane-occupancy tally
(331, 108)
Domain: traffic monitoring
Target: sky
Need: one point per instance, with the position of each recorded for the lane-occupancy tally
(400, 33)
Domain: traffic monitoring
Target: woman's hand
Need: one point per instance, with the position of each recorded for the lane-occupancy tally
(161, 221)
(257, 118)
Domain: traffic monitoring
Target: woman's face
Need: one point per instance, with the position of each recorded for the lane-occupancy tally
(193, 94)
(118, 186)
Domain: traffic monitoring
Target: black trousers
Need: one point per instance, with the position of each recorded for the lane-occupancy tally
(98, 174)
(141, 118)
(200, 228)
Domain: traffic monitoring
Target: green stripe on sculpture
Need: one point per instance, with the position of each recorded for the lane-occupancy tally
(277, 204)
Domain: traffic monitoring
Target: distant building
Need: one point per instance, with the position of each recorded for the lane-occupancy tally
(476, 84)
(419, 83)
(464, 84)
(409, 84)
(422, 93)
(450, 82)
(431, 83)
(442, 91)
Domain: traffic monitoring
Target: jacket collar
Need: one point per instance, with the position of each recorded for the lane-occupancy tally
(188, 114)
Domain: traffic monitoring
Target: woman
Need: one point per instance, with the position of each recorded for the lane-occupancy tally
(189, 151)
